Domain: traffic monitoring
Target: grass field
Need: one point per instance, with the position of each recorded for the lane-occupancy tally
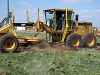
(98, 39)
(82, 62)
(33, 62)
(30, 33)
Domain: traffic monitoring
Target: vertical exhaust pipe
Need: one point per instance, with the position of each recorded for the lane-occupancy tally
(38, 15)
(77, 17)
(27, 17)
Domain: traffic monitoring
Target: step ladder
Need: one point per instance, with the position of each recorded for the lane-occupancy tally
(48, 37)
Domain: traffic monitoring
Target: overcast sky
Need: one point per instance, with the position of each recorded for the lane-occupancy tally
(88, 10)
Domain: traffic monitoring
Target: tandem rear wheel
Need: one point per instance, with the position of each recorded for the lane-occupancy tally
(89, 40)
(74, 40)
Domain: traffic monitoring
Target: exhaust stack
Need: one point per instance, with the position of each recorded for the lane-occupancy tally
(77, 17)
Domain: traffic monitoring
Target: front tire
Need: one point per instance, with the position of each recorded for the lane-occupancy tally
(8, 43)
(74, 40)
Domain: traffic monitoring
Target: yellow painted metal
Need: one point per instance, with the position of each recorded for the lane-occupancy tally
(14, 31)
(7, 27)
(40, 26)
(58, 9)
(28, 28)
(27, 17)
(38, 23)
(28, 21)
(75, 41)
(90, 41)
(32, 39)
(66, 27)
(9, 44)
(12, 26)
(38, 19)
(12, 16)
(96, 31)
(81, 30)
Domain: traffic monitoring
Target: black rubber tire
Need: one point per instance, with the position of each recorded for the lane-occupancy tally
(71, 36)
(2, 43)
(85, 40)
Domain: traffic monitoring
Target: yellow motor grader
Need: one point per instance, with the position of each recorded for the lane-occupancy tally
(60, 26)
(63, 28)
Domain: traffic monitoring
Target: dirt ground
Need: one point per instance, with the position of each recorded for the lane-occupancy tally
(45, 45)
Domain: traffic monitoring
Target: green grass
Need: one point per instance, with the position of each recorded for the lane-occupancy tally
(82, 62)
(98, 39)
(31, 33)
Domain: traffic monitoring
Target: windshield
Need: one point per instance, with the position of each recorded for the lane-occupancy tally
(49, 15)
(50, 18)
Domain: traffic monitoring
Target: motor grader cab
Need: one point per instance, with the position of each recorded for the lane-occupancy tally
(56, 19)
(68, 30)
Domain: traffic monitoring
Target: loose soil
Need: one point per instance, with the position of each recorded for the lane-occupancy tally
(45, 45)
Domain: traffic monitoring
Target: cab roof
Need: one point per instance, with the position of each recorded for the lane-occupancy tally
(57, 9)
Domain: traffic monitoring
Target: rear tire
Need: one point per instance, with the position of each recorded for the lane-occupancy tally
(8, 43)
(74, 40)
(89, 40)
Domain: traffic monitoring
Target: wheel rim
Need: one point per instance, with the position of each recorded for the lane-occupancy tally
(75, 41)
(9, 44)
(90, 41)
